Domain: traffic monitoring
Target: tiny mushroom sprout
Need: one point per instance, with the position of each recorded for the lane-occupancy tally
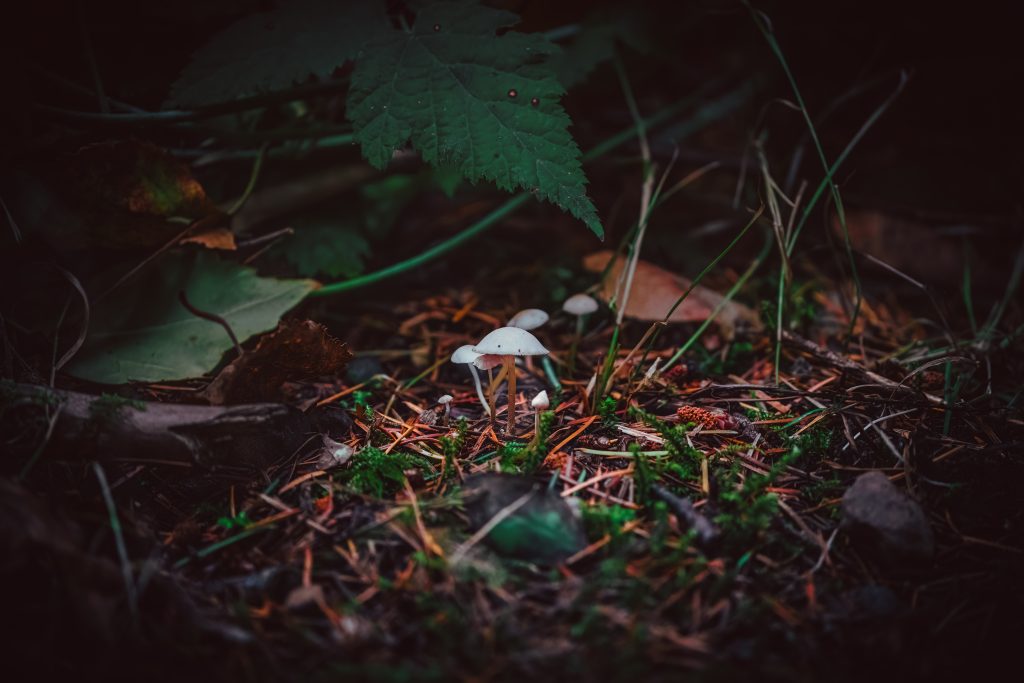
(579, 305)
(510, 342)
(540, 403)
(528, 319)
(445, 402)
(465, 355)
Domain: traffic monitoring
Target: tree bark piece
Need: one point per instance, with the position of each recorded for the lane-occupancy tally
(98, 427)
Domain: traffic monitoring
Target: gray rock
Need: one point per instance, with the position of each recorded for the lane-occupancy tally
(541, 527)
(886, 525)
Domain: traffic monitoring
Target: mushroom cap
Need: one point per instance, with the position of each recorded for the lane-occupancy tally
(485, 361)
(444, 400)
(465, 354)
(580, 304)
(540, 401)
(510, 341)
(528, 319)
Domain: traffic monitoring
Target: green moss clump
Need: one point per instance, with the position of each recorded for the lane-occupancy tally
(376, 473)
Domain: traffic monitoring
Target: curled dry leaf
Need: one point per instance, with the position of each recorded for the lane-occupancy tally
(216, 238)
(297, 350)
(655, 290)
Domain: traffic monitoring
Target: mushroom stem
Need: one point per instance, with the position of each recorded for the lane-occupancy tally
(510, 370)
(575, 344)
(479, 390)
(492, 390)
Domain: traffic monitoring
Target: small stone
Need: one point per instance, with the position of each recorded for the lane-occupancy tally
(540, 527)
(886, 525)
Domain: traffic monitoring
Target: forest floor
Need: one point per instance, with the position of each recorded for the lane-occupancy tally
(821, 480)
(700, 520)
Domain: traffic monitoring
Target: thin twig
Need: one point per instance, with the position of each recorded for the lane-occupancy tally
(213, 317)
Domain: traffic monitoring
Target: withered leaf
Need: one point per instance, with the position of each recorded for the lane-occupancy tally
(216, 238)
(298, 350)
(655, 290)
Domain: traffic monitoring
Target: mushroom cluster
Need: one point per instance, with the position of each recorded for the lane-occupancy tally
(503, 345)
(510, 343)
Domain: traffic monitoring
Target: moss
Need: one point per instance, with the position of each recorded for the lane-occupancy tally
(107, 408)
(601, 520)
(376, 473)
(451, 446)
(606, 409)
(526, 458)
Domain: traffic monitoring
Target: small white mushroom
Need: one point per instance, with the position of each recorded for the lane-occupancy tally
(465, 355)
(579, 305)
(540, 403)
(510, 342)
(445, 401)
(528, 319)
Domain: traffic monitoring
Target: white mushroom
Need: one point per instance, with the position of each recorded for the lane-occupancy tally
(540, 403)
(579, 305)
(445, 401)
(528, 319)
(465, 355)
(510, 342)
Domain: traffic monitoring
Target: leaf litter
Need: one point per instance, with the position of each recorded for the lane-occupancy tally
(675, 512)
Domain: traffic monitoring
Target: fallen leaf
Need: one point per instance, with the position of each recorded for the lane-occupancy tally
(142, 333)
(217, 238)
(297, 350)
(332, 453)
(655, 290)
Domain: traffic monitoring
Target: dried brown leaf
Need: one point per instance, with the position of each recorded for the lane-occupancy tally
(298, 350)
(217, 238)
(655, 290)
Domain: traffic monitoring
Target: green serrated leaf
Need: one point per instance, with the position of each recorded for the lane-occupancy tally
(274, 50)
(469, 98)
(143, 333)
